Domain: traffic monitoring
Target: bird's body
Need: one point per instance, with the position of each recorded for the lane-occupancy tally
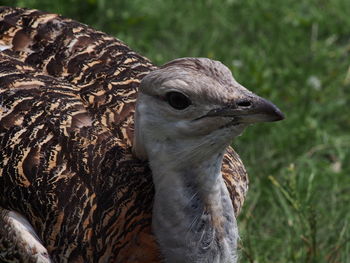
(67, 103)
(65, 171)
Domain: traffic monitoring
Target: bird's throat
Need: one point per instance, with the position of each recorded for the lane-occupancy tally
(193, 216)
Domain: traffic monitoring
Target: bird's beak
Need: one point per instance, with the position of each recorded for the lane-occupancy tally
(250, 109)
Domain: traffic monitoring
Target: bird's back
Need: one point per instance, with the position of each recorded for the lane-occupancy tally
(104, 71)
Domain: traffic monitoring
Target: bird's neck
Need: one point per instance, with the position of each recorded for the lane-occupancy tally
(193, 217)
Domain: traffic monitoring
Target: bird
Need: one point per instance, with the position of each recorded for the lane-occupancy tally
(106, 157)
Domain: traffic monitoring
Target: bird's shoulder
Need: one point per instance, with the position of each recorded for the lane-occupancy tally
(236, 178)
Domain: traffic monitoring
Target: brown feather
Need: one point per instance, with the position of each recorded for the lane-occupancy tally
(67, 101)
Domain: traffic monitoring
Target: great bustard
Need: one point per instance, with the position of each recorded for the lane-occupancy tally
(67, 100)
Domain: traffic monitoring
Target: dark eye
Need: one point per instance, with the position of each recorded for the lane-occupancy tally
(177, 100)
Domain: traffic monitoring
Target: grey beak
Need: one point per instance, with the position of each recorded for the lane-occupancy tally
(250, 109)
(257, 109)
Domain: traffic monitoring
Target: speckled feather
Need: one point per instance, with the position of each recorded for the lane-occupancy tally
(67, 100)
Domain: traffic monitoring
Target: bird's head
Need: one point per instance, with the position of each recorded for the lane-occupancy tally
(190, 104)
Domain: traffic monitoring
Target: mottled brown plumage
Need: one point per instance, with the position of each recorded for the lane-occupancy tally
(67, 101)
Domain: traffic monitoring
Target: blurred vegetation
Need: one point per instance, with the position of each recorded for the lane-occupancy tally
(297, 54)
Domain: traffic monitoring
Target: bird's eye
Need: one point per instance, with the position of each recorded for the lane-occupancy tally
(177, 100)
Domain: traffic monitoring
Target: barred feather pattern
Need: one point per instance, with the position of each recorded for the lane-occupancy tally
(67, 100)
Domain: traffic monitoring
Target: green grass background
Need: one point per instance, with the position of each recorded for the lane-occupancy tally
(295, 53)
